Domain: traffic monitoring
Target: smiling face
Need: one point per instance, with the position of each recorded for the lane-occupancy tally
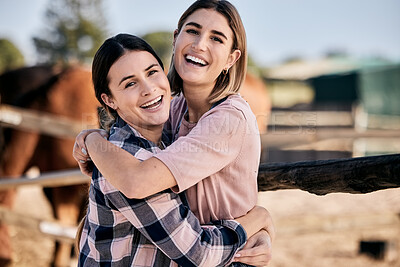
(140, 91)
(203, 48)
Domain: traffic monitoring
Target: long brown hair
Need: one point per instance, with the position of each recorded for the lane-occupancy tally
(79, 234)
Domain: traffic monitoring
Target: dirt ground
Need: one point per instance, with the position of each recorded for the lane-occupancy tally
(311, 230)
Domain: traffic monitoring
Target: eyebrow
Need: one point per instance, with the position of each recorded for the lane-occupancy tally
(194, 24)
(132, 76)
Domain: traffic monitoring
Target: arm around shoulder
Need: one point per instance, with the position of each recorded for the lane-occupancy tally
(134, 178)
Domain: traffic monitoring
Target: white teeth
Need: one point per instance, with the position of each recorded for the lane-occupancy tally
(151, 102)
(195, 59)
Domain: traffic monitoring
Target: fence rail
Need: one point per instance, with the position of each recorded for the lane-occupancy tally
(42, 122)
(52, 229)
(49, 179)
(354, 175)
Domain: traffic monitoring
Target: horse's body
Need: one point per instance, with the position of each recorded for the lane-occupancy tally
(69, 94)
(255, 93)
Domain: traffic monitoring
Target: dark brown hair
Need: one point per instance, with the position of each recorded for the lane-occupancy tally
(109, 52)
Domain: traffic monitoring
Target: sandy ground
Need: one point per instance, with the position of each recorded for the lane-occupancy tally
(311, 230)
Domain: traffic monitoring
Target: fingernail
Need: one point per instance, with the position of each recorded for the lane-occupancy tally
(89, 159)
(84, 151)
(237, 256)
(82, 161)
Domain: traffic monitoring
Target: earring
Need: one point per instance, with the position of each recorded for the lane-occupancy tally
(225, 72)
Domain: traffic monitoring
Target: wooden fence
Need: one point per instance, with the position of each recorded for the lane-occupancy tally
(36, 121)
(354, 175)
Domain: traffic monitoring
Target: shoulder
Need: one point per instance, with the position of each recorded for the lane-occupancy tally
(178, 106)
(233, 114)
(121, 135)
(237, 102)
(177, 100)
(125, 138)
(233, 106)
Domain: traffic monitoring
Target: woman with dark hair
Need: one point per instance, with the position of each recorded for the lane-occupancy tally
(215, 160)
(130, 83)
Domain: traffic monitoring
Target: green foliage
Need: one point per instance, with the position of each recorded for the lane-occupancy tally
(10, 56)
(253, 67)
(75, 31)
(162, 44)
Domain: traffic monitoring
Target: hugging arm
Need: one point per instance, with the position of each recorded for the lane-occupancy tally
(250, 222)
(125, 172)
(174, 229)
(170, 225)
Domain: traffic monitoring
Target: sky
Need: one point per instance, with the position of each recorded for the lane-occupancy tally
(276, 29)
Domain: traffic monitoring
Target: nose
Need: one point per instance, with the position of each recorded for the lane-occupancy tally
(147, 88)
(199, 43)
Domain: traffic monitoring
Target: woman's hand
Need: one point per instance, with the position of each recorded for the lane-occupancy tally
(256, 219)
(257, 251)
(269, 226)
(80, 153)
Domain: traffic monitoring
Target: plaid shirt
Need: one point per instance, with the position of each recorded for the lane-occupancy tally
(119, 231)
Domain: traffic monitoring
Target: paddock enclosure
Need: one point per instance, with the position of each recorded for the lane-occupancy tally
(331, 226)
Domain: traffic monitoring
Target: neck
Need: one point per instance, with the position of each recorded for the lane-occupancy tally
(196, 99)
(153, 135)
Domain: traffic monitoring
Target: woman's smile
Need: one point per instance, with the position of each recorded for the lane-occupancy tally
(196, 60)
(153, 104)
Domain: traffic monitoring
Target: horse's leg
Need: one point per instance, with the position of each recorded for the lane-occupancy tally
(66, 201)
(17, 154)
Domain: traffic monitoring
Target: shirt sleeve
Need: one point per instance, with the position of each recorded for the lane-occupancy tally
(173, 228)
(212, 144)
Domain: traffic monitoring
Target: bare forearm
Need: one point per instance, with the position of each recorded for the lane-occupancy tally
(112, 161)
(256, 219)
(134, 178)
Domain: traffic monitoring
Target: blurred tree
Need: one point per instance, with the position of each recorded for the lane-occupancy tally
(253, 67)
(162, 44)
(10, 56)
(76, 28)
(336, 53)
(293, 59)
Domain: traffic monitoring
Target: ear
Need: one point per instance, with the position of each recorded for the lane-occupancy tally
(109, 101)
(175, 35)
(233, 57)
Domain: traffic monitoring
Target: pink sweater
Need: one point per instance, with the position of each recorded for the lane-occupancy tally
(215, 160)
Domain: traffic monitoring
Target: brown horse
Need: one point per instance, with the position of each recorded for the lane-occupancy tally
(256, 94)
(70, 94)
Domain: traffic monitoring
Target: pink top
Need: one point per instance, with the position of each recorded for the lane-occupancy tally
(215, 160)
